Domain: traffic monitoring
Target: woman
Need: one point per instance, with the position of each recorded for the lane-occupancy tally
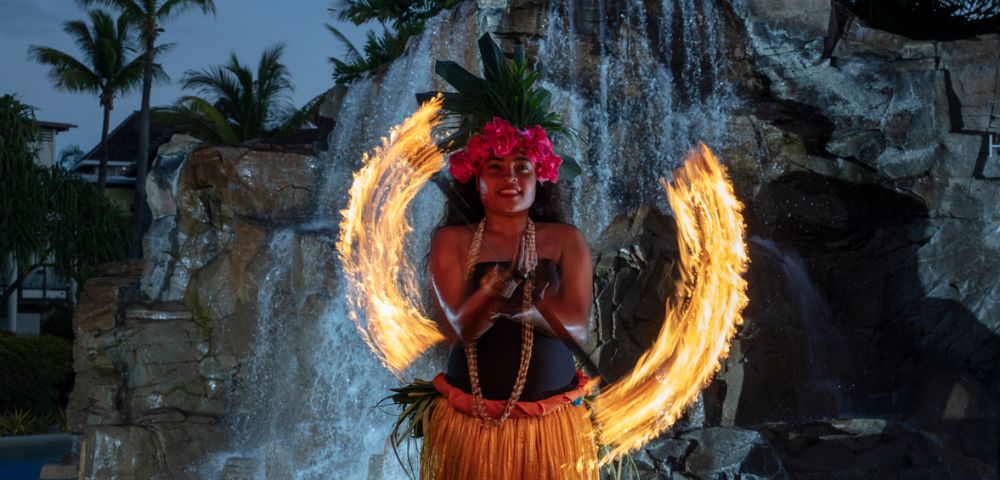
(512, 287)
(510, 291)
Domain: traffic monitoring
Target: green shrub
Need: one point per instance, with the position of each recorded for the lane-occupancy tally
(60, 322)
(36, 373)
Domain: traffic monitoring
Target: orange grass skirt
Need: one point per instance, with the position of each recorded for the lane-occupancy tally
(559, 444)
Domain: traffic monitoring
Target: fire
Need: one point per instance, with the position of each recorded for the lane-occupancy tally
(701, 318)
(382, 284)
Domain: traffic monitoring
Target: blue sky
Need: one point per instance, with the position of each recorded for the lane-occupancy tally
(243, 26)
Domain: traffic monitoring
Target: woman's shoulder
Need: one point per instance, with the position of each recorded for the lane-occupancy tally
(558, 230)
(563, 238)
(453, 235)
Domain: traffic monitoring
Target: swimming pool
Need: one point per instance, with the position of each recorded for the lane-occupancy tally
(22, 457)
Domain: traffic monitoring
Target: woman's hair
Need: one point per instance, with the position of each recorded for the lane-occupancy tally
(463, 206)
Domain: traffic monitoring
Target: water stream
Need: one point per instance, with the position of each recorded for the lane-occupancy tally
(641, 88)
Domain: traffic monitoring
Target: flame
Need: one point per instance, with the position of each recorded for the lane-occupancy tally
(382, 284)
(701, 318)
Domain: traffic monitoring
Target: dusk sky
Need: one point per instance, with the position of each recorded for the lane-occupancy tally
(244, 26)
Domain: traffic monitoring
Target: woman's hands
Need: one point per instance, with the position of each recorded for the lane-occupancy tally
(503, 282)
(499, 282)
(566, 302)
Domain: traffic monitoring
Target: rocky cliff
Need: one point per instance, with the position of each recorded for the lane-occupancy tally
(869, 347)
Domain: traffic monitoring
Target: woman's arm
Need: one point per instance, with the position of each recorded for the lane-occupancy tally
(569, 308)
(468, 317)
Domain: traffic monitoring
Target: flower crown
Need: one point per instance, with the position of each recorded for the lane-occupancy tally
(500, 138)
(502, 112)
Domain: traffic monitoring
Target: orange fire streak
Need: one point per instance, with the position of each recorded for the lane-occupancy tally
(382, 284)
(701, 317)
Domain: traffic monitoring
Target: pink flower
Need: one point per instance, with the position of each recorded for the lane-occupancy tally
(461, 167)
(548, 168)
(478, 149)
(500, 136)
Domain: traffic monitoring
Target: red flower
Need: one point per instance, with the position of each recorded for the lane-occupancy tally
(478, 149)
(461, 167)
(500, 136)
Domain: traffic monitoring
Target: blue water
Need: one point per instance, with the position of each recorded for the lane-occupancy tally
(26, 464)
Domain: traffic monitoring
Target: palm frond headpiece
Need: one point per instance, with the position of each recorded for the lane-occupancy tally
(502, 112)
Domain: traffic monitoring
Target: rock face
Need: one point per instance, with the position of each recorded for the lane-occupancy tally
(161, 342)
(869, 347)
(870, 207)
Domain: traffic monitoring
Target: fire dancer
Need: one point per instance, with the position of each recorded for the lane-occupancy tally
(512, 285)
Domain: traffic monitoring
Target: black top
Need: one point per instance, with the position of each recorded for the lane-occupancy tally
(498, 352)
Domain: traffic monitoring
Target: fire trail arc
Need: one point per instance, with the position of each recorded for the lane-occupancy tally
(700, 320)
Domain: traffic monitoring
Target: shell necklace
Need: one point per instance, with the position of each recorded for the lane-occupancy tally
(527, 333)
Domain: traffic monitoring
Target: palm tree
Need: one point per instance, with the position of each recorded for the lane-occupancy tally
(235, 104)
(71, 156)
(400, 20)
(148, 16)
(108, 66)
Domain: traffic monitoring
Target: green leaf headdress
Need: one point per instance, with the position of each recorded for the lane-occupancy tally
(508, 91)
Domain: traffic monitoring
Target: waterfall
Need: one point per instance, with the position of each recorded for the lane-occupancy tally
(643, 94)
(642, 87)
(826, 359)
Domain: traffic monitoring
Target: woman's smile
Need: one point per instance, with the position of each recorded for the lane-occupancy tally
(507, 184)
(509, 192)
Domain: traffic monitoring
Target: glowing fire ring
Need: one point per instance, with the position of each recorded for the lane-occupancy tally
(700, 321)
(381, 282)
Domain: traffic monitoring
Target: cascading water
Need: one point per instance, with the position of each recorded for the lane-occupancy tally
(826, 359)
(644, 93)
(642, 87)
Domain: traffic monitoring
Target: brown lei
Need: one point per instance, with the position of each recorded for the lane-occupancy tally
(527, 333)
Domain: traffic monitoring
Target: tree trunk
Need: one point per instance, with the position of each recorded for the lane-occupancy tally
(142, 156)
(16, 279)
(9, 300)
(102, 170)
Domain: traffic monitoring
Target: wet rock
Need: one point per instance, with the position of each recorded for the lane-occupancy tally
(162, 359)
(118, 452)
(731, 453)
(876, 448)
(158, 452)
(633, 263)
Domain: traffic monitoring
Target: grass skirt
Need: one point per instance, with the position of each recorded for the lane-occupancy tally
(557, 445)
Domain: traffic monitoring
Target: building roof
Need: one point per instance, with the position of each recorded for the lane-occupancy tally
(123, 141)
(59, 127)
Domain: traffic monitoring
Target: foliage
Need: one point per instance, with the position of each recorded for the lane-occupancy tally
(60, 322)
(49, 212)
(22, 212)
(70, 156)
(931, 19)
(507, 90)
(27, 422)
(147, 16)
(37, 374)
(16, 422)
(404, 18)
(416, 400)
(109, 65)
(236, 104)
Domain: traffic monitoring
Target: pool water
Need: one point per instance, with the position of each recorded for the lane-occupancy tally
(25, 463)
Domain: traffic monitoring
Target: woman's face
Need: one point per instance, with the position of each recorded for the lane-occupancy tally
(507, 185)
